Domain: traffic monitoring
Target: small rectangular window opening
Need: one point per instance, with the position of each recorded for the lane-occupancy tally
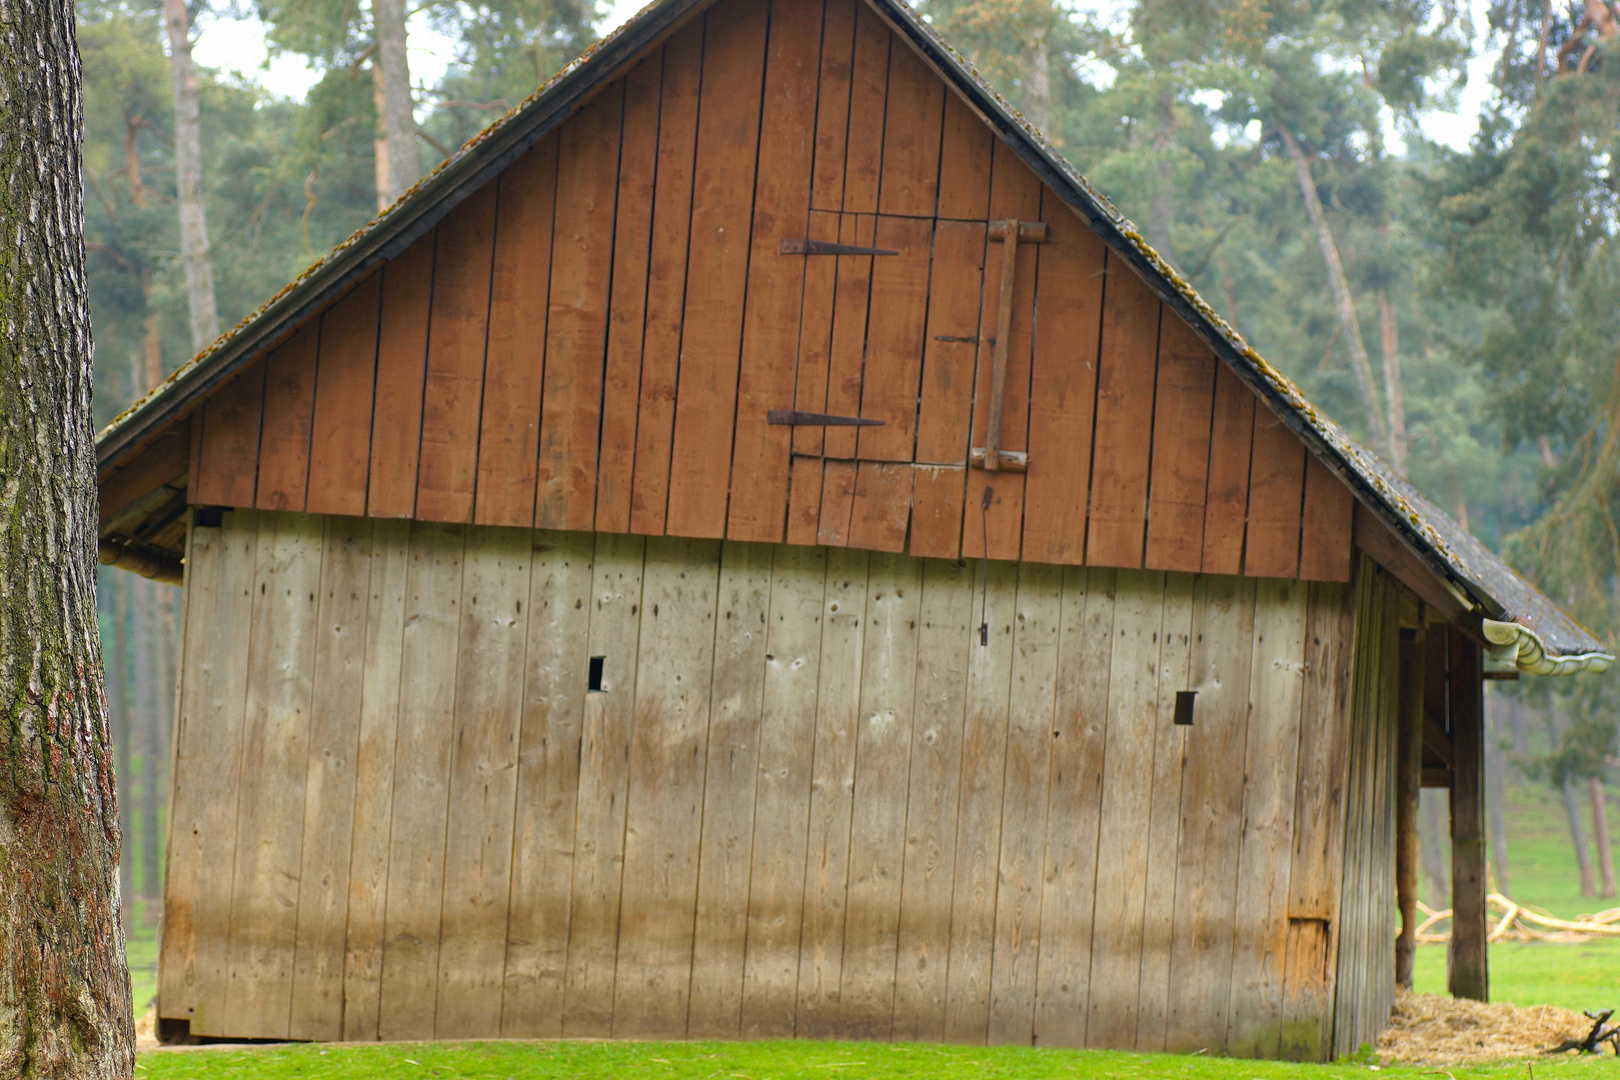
(1184, 707)
(596, 673)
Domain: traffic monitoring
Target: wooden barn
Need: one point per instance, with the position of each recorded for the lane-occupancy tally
(755, 546)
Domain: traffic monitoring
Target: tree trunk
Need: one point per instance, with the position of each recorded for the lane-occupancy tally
(1495, 783)
(122, 732)
(147, 679)
(1577, 836)
(1161, 209)
(1390, 331)
(64, 984)
(397, 167)
(1432, 833)
(194, 252)
(1600, 835)
(1038, 86)
(1349, 323)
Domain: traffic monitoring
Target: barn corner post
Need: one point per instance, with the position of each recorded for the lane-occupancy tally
(1408, 789)
(1467, 972)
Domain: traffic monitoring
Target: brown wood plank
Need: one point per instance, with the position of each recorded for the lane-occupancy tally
(555, 685)
(516, 354)
(966, 148)
(483, 783)
(167, 460)
(576, 335)
(1271, 758)
(832, 783)
(881, 506)
(1030, 718)
(781, 829)
(1063, 980)
(937, 493)
(340, 439)
(374, 775)
(1122, 850)
(604, 765)
(979, 802)
(1324, 550)
(1069, 295)
(627, 312)
(832, 104)
(846, 358)
(1125, 378)
(1276, 483)
(776, 282)
(1179, 480)
(674, 667)
(804, 500)
(1222, 650)
(837, 502)
(869, 83)
(815, 332)
(956, 278)
(289, 407)
(422, 749)
(877, 840)
(719, 934)
(1468, 974)
(1378, 541)
(270, 792)
(455, 360)
(228, 452)
(402, 338)
(895, 335)
(666, 278)
(944, 636)
(911, 134)
(722, 208)
(329, 785)
(1226, 506)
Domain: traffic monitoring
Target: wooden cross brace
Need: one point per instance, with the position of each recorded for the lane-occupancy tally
(1010, 232)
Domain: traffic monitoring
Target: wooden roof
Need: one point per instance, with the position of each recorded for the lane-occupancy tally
(446, 211)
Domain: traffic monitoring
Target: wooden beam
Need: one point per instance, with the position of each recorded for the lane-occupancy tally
(998, 373)
(1378, 540)
(1468, 973)
(1408, 787)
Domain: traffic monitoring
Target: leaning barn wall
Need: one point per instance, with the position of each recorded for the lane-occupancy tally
(806, 800)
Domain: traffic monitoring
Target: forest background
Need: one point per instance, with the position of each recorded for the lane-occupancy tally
(1457, 307)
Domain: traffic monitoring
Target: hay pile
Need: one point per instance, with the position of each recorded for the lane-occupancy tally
(1430, 1029)
(146, 1031)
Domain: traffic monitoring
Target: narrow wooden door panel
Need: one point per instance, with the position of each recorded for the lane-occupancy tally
(894, 339)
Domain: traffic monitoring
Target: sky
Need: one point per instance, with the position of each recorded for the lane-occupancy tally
(237, 45)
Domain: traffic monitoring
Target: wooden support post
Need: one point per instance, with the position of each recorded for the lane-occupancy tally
(998, 372)
(1408, 789)
(1468, 973)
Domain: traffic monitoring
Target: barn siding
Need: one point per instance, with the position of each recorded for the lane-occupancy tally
(593, 341)
(807, 801)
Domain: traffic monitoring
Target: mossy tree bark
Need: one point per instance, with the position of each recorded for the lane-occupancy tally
(64, 986)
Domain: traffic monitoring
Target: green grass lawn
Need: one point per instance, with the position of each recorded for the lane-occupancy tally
(1572, 976)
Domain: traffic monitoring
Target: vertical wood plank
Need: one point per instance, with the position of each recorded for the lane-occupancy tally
(1182, 407)
(869, 84)
(722, 208)
(956, 279)
(944, 637)
(1270, 762)
(422, 747)
(786, 748)
(1122, 850)
(604, 764)
(483, 783)
(664, 808)
(895, 332)
(666, 278)
(627, 312)
(576, 332)
(1222, 649)
(881, 506)
(1468, 975)
(228, 450)
(289, 408)
(775, 282)
(402, 339)
(556, 669)
(1063, 980)
(804, 500)
(837, 502)
(966, 148)
(270, 792)
(1068, 299)
(832, 104)
(1276, 483)
(978, 827)
(346, 371)
(832, 782)
(1030, 717)
(815, 331)
(1227, 502)
(730, 776)
(877, 841)
(453, 386)
(374, 777)
(207, 763)
(911, 135)
(1324, 550)
(1125, 377)
(516, 354)
(329, 787)
(846, 358)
